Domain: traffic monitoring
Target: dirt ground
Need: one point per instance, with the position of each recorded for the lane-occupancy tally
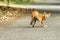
(22, 30)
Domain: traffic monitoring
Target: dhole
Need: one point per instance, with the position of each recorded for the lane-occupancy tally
(40, 17)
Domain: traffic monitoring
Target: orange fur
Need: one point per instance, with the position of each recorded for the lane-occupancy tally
(40, 17)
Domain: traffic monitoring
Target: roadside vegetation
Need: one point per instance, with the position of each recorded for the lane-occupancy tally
(10, 14)
(17, 1)
(22, 1)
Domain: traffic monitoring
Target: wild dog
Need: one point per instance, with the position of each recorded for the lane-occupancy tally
(40, 17)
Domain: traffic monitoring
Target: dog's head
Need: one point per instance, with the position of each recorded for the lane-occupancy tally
(46, 15)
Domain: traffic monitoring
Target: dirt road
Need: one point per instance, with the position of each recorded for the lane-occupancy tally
(21, 29)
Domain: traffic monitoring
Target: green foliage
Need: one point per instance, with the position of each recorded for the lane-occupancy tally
(22, 1)
(2, 0)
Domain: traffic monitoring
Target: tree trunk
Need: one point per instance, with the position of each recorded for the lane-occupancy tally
(7, 2)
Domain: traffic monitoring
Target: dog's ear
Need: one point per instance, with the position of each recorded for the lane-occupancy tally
(44, 13)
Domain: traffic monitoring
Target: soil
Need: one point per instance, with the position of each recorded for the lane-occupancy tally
(11, 14)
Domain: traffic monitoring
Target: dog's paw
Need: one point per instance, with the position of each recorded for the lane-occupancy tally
(45, 26)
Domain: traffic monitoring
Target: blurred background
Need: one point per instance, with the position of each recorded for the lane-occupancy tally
(30, 1)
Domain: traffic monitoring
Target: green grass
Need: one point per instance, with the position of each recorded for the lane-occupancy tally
(19, 1)
(22, 1)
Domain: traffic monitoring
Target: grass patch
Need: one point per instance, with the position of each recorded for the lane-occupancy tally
(22, 1)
